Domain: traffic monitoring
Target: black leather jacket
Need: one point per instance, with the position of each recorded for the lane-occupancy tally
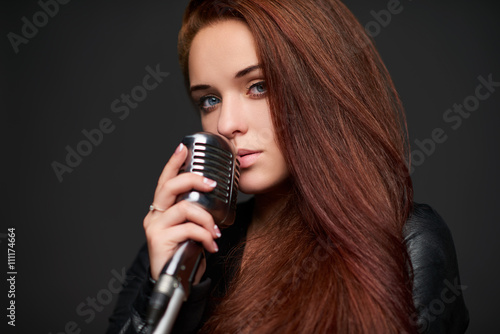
(437, 292)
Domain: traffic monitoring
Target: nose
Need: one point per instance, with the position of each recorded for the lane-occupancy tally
(231, 120)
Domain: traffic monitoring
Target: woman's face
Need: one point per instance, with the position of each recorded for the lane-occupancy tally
(228, 85)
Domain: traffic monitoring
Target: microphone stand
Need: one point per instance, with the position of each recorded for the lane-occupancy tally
(174, 286)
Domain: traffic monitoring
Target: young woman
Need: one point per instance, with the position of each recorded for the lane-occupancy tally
(331, 241)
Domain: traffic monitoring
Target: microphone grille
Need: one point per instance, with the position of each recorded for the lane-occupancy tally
(214, 157)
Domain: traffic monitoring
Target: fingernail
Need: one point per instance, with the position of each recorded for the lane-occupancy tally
(217, 231)
(179, 148)
(211, 183)
(216, 247)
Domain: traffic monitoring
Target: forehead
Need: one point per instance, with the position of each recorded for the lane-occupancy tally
(221, 49)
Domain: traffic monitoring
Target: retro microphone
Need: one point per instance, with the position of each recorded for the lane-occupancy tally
(214, 157)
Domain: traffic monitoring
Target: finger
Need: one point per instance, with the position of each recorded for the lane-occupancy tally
(182, 212)
(173, 165)
(167, 192)
(192, 231)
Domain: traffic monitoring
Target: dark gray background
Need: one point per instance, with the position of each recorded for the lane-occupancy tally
(71, 235)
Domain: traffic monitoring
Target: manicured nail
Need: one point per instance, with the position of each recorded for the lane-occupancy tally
(216, 247)
(179, 148)
(217, 231)
(210, 183)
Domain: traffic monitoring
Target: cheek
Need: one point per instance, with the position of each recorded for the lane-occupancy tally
(264, 137)
(281, 166)
(261, 125)
(209, 123)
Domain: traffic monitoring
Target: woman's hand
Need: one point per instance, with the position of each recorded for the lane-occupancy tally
(173, 223)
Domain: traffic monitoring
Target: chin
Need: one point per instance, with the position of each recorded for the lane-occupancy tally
(250, 188)
(253, 184)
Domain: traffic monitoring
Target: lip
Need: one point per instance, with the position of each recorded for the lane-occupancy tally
(247, 157)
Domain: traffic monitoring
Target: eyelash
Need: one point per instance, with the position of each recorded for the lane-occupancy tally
(205, 98)
(260, 94)
(202, 101)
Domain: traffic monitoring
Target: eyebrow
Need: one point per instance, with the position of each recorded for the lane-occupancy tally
(247, 70)
(198, 87)
(238, 75)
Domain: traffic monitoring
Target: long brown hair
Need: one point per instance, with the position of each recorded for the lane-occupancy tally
(333, 259)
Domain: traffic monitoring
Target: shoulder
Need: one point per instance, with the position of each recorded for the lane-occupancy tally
(437, 291)
(426, 233)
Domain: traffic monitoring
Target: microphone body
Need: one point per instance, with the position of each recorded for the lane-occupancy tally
(214, 157)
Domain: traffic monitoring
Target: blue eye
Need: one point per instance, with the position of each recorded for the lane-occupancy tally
(208, 103)
(257, 89)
